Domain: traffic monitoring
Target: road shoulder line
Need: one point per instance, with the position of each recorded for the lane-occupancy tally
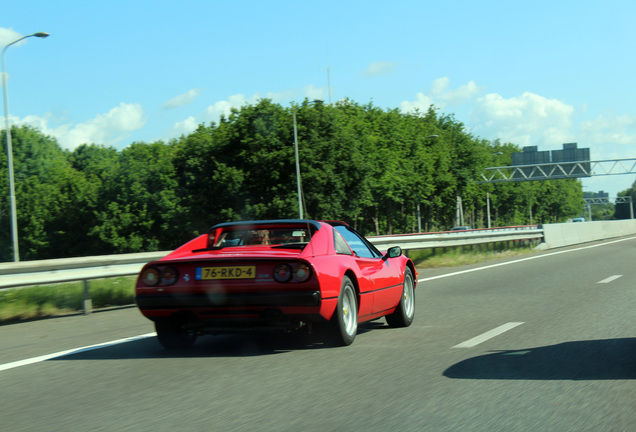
(45, 357)
(522, 260)
(488, 335)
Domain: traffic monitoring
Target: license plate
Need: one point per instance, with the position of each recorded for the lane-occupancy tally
(225, 272)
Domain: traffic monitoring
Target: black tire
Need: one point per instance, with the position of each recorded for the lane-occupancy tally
(344, 322)
(172, 337)
(405, 311)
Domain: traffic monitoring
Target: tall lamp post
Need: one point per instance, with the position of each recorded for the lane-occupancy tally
(14, 219)
(298, 182)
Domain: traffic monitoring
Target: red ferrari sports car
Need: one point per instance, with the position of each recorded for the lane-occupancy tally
(287, 275)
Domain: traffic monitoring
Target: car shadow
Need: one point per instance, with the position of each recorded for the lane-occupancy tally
(607, 359)
(228, 345)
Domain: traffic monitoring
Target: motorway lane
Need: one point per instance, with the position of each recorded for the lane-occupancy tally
(571, 365)
(36, 338)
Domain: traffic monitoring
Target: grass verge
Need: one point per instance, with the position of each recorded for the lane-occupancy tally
(454, 257)
(59, 299)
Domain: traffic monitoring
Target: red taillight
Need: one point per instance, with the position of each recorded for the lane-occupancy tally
(150, 276)
(153, 276)
(302, 273)
(282, 273)
(298, 272)
(169, 275)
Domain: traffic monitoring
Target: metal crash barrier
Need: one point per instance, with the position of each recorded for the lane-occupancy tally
(29, 273)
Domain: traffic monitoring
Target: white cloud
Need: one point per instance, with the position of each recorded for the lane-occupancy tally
(441, 95)
(607, 128)
(532, 119)
(314, 93)
(379, 68)
(610, 136)
(213, 113)
(182, 99)
(422, 102)
(185, 127)
(42, 124)
(461, 94)
(8, 35)
(224, 107)
(529, 119)
(108, 129)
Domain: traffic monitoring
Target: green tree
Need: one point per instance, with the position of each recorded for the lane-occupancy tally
(142, 210)
(381, 170)
(623, 210)
(47, 198)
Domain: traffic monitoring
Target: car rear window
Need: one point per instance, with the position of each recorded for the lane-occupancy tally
(233, 237)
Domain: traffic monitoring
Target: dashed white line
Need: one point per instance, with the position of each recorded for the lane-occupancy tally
(488, 335)
(609, 279)
(545, 255)
(45, 357)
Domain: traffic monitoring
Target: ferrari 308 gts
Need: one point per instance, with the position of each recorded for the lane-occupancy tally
(288, 275)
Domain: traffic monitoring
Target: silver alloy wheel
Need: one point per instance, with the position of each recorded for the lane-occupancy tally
(404, 313)
(408, 296)
(349, 311)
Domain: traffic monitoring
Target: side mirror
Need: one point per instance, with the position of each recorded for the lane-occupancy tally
(393, 252)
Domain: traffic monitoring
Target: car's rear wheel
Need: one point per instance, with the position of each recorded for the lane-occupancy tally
(344, 322)
(172, 336)
(405, 311)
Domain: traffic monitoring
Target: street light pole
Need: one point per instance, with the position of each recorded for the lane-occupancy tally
(300, 199)
(14, 218)
(298, 181)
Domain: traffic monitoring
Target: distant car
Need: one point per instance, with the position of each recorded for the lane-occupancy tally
(461, 228)
(578, 219)
(286, 275)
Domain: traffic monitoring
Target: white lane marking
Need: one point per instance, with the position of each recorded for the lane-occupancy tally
(42, 358)
(610, 279)
(521, 260)
(488, 335)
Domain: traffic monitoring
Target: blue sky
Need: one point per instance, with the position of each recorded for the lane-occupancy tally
(533, 73)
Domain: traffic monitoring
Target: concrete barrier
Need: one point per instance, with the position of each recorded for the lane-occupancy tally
(567, 234)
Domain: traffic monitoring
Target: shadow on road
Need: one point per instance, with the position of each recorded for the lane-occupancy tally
(230, 345)
(608, 359)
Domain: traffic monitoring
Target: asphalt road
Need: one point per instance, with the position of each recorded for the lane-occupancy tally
(547, 342)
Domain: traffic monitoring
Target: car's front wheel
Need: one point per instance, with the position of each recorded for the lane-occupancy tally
(405, 310)
(171, 336)
(344, 322)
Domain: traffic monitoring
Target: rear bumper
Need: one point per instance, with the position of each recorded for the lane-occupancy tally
(232, 300)
(213, 315)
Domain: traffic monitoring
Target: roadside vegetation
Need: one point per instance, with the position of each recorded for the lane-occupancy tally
(458, 256)
(60, 299)
(380, 170)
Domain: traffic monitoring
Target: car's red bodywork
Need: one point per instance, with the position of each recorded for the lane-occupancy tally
(222, 282)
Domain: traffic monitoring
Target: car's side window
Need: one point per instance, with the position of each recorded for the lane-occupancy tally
(357, 244)
(340, 244)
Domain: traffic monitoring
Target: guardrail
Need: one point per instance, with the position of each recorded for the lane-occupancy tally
(458, 238)
(27, 273)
